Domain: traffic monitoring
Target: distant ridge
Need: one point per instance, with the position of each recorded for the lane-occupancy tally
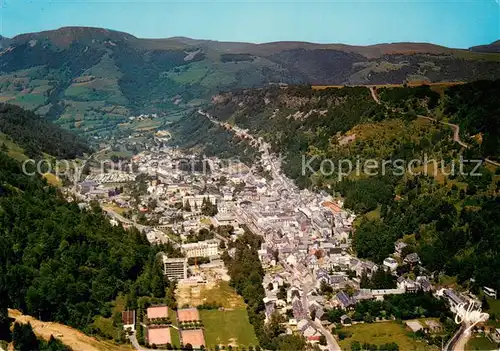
(65, 35)
(493, 47)
(91, 80)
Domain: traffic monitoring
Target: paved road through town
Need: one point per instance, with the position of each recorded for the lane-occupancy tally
(307, 285)
(458, 340)
(306, 279)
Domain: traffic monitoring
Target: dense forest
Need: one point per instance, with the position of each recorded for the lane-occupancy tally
(444, 208)
(62, 263)
(197, 133)
(37, 135)
(474, 107)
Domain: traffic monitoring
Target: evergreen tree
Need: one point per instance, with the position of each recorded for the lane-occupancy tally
(484, 304)
(157, 280)
(24, 338)
(365, 282)
(140, 334)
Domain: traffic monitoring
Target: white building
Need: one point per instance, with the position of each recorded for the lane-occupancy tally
(391, 263)
(128, 320)
(198, 200)
(207, 248)
(175, 268)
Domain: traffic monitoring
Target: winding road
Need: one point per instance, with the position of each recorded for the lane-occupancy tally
(374, 95)
(458, 341)
(307, 282)
(455, 127)
(331, 342)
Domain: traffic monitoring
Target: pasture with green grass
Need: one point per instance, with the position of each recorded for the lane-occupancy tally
(383, 333)
(13, 150)
(481, 343)
(229, 327)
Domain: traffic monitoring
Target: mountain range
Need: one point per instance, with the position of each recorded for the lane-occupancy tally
(92, 79)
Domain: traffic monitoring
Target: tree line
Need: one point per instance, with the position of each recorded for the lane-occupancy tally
(61, 263)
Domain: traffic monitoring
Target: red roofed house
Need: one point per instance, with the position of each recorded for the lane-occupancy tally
(128, 320)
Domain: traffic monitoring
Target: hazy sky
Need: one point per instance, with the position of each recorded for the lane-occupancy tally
(451, 23)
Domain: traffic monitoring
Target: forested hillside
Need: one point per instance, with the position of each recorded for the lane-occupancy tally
(61, 263)
(444, 213)
(474, 107)
(37, 135)
(202, 136)
(92, 79)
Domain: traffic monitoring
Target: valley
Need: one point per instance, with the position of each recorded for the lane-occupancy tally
(185, 194)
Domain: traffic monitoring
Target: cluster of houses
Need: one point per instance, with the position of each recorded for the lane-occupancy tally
(341, 272)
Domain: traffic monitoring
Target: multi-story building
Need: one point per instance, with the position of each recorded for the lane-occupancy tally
(207, 248)
(198, 199)
(175, 268)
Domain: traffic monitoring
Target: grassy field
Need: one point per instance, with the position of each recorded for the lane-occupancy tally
(52, 179)
(228, 328)
(480, 343)
(174, 333)
(223, 295)
(105, 156)
(382, 333)
(30, 101)
(494, 306)
(205, 221)
(15, 151)
(175, 338)
(115, 208)
(494, 309)
(373, 215)
(175, 237)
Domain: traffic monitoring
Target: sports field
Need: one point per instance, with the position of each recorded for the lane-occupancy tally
(228, 328)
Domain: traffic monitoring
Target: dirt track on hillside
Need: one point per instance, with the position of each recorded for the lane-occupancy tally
(71, 337)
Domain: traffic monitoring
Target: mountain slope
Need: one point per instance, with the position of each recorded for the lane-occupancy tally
(92, 79)
(36, 135)
(329, 140)
(493, 47)
(65, 264)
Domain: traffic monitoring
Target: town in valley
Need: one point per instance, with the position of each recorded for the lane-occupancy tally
(314, 284)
